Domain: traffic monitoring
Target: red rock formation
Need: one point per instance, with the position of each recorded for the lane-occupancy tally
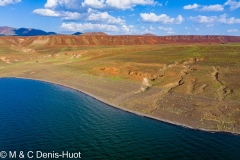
(114, 40)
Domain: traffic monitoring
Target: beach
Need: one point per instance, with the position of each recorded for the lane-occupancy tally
(102, 93)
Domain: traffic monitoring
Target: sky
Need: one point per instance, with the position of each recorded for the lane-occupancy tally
(125, 17)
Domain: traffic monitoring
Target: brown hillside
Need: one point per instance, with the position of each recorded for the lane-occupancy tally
(112, 40)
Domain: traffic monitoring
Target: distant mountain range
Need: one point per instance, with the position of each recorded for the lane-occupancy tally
(77, 33)
(9, 31)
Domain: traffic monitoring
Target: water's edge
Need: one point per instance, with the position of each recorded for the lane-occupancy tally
(128, 110)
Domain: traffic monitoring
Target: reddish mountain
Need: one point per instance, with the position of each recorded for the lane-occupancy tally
(95, 34)
(149, 34)
(113, 40)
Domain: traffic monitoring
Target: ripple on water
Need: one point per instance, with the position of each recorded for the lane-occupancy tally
(41, 116)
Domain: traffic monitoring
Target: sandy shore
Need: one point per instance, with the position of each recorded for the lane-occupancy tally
(111, 104)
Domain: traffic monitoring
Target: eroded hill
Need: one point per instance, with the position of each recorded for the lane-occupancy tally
(102, 39)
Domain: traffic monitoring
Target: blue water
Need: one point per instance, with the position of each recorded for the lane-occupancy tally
(38, 116)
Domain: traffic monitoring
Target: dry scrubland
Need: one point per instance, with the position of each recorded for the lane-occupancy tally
(196, 84)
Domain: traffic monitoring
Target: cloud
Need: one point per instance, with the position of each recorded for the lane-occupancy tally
(223, 19)
(214, 19)
(233, 4)
(91, 16)
(64, 15)
(116, 4)
(127, 4)
(91, 27)
(8, 2)
(162, 18)
(103, 17)
(88, 27)
(69, 4)
(204, 19)
(216, 8)
(46, 12)
(151, 28)
(194, 6)
(232, 31)
(97, 4)
(168, 30)
(128, 29)
(165, 29)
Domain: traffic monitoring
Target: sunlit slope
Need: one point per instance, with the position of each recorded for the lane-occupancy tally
(190, 79)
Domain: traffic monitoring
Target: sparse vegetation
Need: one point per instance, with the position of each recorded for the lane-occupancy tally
(182, 82)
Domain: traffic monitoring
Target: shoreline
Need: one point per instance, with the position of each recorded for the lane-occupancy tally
(128, 110)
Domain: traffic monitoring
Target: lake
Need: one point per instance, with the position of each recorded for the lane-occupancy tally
(41, 119)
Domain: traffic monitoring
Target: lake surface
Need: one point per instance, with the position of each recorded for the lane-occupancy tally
(38, 116)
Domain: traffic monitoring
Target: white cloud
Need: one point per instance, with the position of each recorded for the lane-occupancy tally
(187, 28)
(8, 2)
(116, 4)
(46, 12)
(127, 4)
(103, 17)
(204, 19)
(194, 6)
(232, 20)
(72, 16)
(128, 29)
(165, 29)
(216, 7)
(168, 30)
(70, 4)
(91, 15)
(64, 15)
(151, 28)
(97, 4)
(51, 4)
(233, 4)
(163, 18)
(87, 27)
(214, 19)
(232, 31)
(90, 27)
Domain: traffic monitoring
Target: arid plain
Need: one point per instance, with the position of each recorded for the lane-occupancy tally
(185, 80)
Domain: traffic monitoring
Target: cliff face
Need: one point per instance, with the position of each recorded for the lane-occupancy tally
(114, 40)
